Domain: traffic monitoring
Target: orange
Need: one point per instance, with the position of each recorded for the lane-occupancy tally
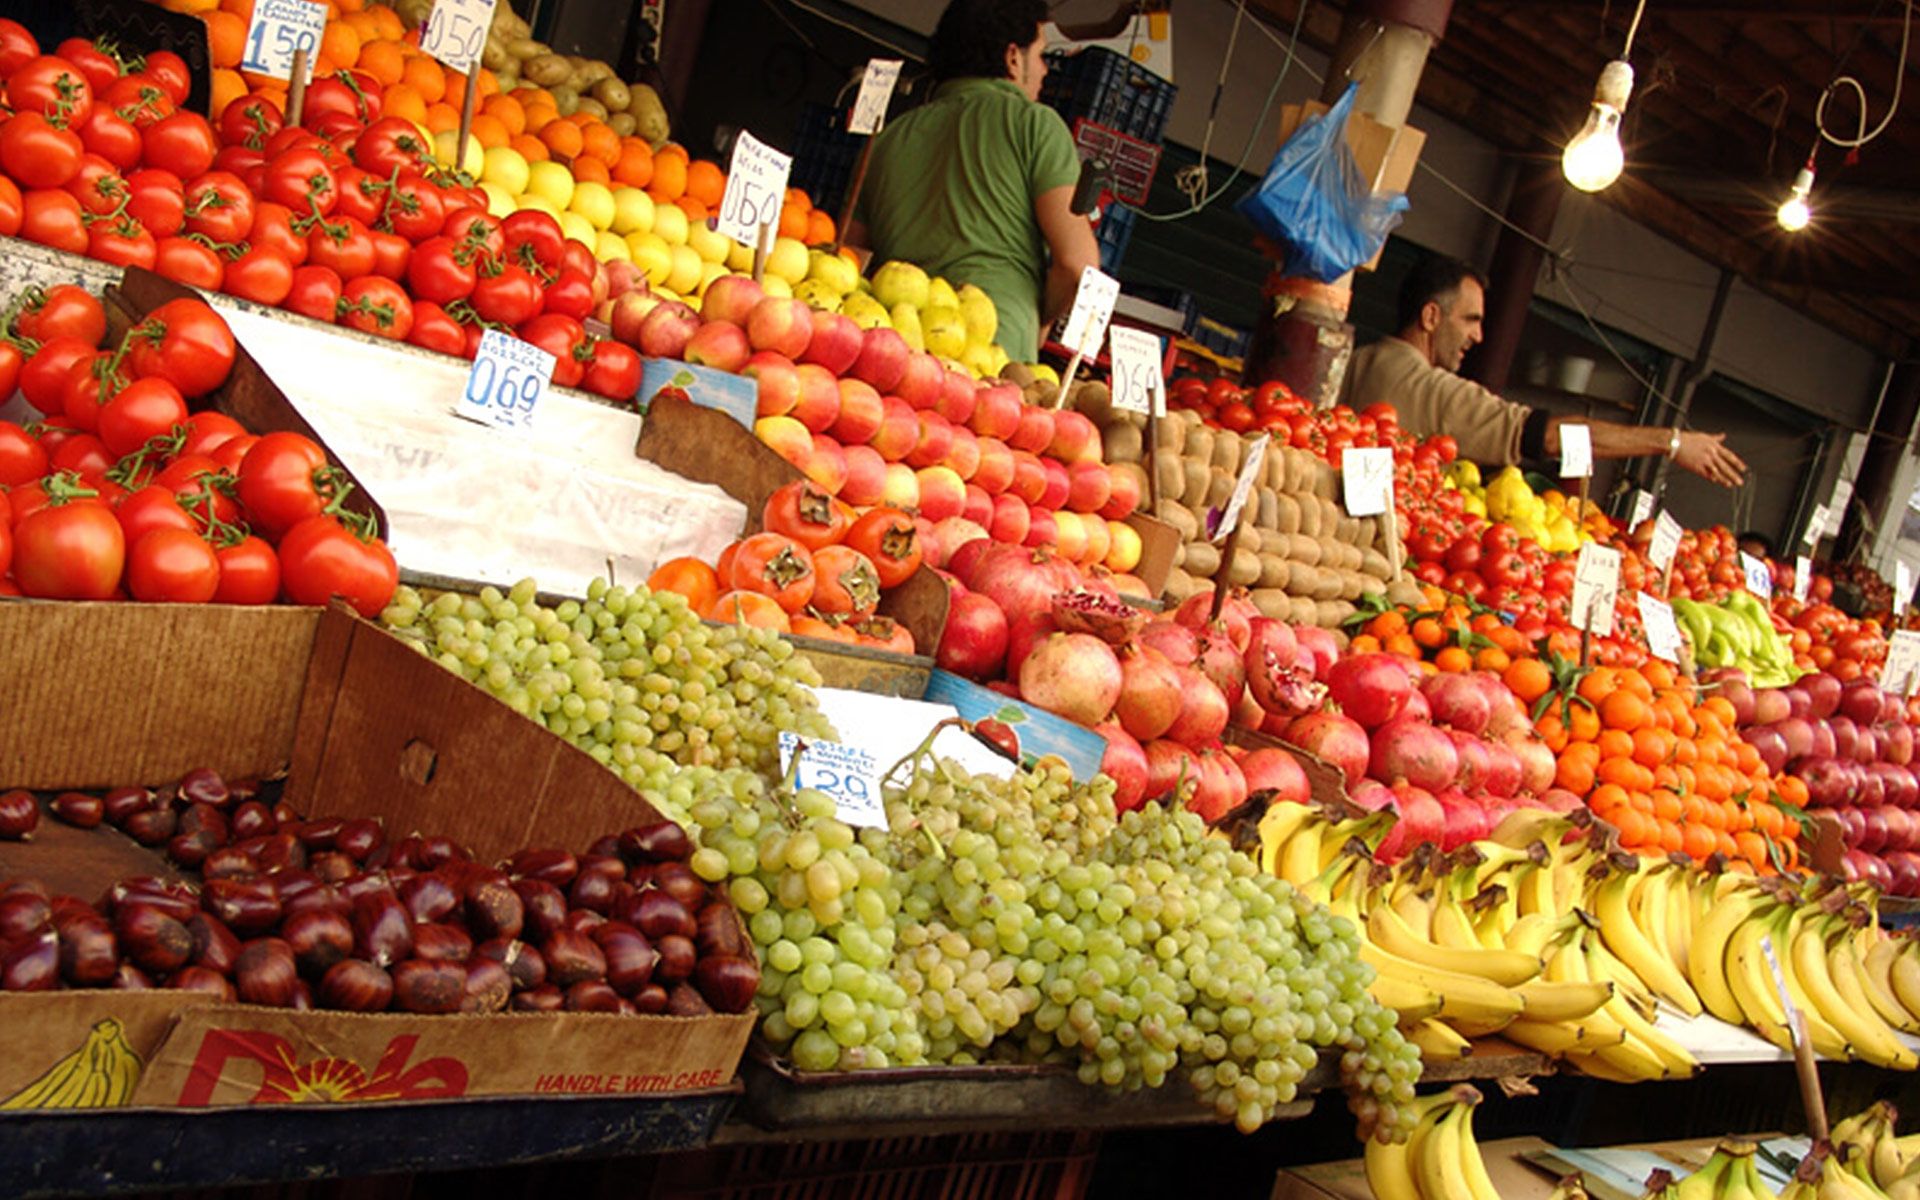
(1403, 645)
(1492, 658)
(1607, 800)
(489, 82)
(340, 43)
(1453, 659)
(635, 165)
(1388, 623)
(591, 170)
(602, 144)
(1597, 684)
(385, 61)
(226, 38)
(1428, 633)
(1623, 710)
(1583, 725)
(489, 131)
(1651, 747)
(1625, 772)
(1527, 678)
(1574, 771)
(227, 86)
(387, 22)
(705, 182)
(561, 137)
(1750, 846)
(508, 112)
(669, 174)
(401, 100)
(442, 117)
(793, 221)
(821, 229)
(1666, 805)
(531, 148)
(1615, 743)
(539, 112)
(423, 75)
(1698, 842)
(695, 210)
(1792, 789)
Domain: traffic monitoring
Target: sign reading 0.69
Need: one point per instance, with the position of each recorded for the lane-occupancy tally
(508, 380)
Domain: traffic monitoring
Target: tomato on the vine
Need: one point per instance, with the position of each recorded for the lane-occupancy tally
(149, 508)
(99, 67)
(18, 47)
(301, 178)
(414, 208)
(509, 297)
(156, 199)
(71, 550)
(65, 310)
(561, 337)
(172, 566)
(377, 305)
(53, 88)
(284, 480)
(613, 370)
(250, 121)
(112, 137)
(36, 153)
(22, 460)
(534, 241)
(315, 293)
(53, 218)
(169, 70)
(321, 559)
(145, 409)
(189, 261)
(249, 572)
(220, 206)
(433, 329)
(343, 244)
(185, 342)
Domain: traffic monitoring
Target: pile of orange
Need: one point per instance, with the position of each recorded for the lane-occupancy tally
(1446, 635)
(1669, 771)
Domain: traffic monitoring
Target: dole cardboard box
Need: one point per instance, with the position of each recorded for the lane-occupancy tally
(360, 724)
(735, 395)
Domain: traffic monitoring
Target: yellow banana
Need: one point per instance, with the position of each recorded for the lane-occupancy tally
(1752, 985)
(1876, 967)
(1630, 943)
(1825, 1038)
(1409, 1001)
(1299, 855)
(1390, 1165)
(1437, 1040)
(1472, 1165)
(1568, 1000)
(1841, 972)
(1904, 972)
(100, 1074)
(1277, 826)
(1438, 1163)
(1507, 968)
(1707, 962)
(1560, 1038)
(1462, 997)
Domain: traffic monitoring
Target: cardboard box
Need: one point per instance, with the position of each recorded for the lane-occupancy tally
(1040, 732)
(1513, 1179)
(735, 395)
(140, 693)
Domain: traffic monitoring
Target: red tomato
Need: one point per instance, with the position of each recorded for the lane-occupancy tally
(320, 559)
(1463, 555)
(284, 480)
(220, 206)
(511, 297)
(157, 200)
(315, 293)
(478, 229)
(390, 254)
(570, 294)
(206, 430)
(11, 208)
(182, 143)
(65, 310)
(185, 342)
(90, 384)
(250, 121)
(152, 507)
(414, 209)
(22, 460)
(442, 271)
(17, 46)
(301, 178)
(36, 153)
(433, 329)
(562, 337)
(83, 454)
(613, 370)
(53, 88)
(143, 410)
(187, 261)
(169, 70)
(378, 306)
(43, 379)
(123, 242)
(112, 137)
(534, 241)
(172, 566)
(100, 67)
(69, 551)
(135, 99)
(261, 275)
(362, 196)
(389, 144)
(889, 538)
(273, 230)
(249, 573)
(343, 244)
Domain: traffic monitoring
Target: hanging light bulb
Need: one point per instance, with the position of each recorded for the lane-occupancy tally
(1592, 160)
(1795, 212)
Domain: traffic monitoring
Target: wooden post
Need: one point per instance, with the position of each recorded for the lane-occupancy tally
(1066, 381)
(1153, 461)
(1226, 564)
(467, 102)
(297, 87)
(854, 185)
(762, 247)
(1586, 618)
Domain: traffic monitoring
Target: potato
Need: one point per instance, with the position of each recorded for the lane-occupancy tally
(1375, 565)
(649, 115)
(526, 48)
(622, 123)
(1273, 472)
(1286, 513)
(593, 70)
(547, 70)
(1299, 471)
(1323, 480)
(1303, 579)
(1202, 560)
(612, 93)
(1275, 571)
(1350, 585)
(1245, 569)
(1327, 587)
(566, 98)
(1273, 603)
(587, 104)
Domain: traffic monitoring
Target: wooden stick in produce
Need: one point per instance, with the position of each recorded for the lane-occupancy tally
(467, 102)
(1810, 1095)
(1066, 381)
(1153, 460)
(1392, 518)
(762, 246)
(297, 87)
(853, 192)
(1226, 565)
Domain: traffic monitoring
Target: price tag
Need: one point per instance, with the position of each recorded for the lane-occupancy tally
(1816, 525)
(1663, 636)
(1092, 309)
(279, 29)
(1903, 662)
(756, 188)
(508, 380)
(1242, 487)
(1576, 451)
(1780, 986)
(1596, 584)
(1759, 575)
(1666, 540)
(876, 89)
(1642, 508)
(1902, 586)
(1366, 478)
(456, 32)
(1135, 357)
(847, 773)
(1802, 576)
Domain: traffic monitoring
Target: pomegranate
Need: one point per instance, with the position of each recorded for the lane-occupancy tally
(1214, 796)
(964, 557)
(1220, 662)
(1536, 763)
(1476, 764)
(1338, 739)
(1248, 714)
(1126, 764)
(1236, 614)
(1203, 710)
(1110, 619)
(1275, 679)
(1414, 752)
(1421, 820)
(1024, 632)
(1177, 642)
(1020, 580)
(1459, 702)
(1276, 771)
(1325, 650)
(1823, 692)
(1371, 795)
(951, 533)
(1172, 772)
(1466, 820)
(1076, 676)
(974, 642)
(1370, 688)
(1150, 696)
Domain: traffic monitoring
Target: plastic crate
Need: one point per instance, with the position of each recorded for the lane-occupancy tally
(1055, 1165)
(1113, 233)
(1223, 340)
(824, 154)
(137, 27)
(1108, 89)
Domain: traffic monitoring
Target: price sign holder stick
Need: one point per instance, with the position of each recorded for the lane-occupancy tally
(1066, 381)
(1392, 518)
(297, 87)
(853, 192)
(467, 102)
(762, 245)
(1226, 565)
(1153, 461)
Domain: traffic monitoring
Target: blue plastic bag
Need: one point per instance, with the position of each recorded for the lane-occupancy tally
(1313, 202)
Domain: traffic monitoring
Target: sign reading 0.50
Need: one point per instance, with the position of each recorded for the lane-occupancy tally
(456, 31)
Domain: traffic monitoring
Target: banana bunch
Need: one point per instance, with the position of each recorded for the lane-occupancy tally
(1300, 842)
(1825, 1175)
(1729, 1175)
(1866, 1146)
(1737, 632)
(100, 1074)
(1440, 1160)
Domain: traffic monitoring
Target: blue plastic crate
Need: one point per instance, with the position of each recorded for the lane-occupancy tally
(1109, 89)
(824, 154)
(1113, 233)
(1223, 340)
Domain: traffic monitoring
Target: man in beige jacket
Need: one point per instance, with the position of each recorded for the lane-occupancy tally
(1442, 303)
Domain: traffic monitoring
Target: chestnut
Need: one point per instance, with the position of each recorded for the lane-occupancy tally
(129, 978)
(319, 938)
(89, 953)
(265, 973)
(438, 852)
(685, 1000)
(229, 862)
(572, 957)
(151, 938)
(79, 809)
(354, 985)
(23, 914)
(718, 930)
(593, 887)
(200, 979)
(727, 981)
(31, 964)
(631, 958)
(123, 802)
(151, 826)
(540, 999)
(203, 785)
(544, 909)
(382, 930)
(582, 920)
(280, 851)
(19, 814)
(651, 999)
(321, 897)
(428, 898)
(592, 995)
(607, 846)
(525, 967)
(321, 834)
(331, 866)
(442, 943)
(302, 998)
(677, 957)
(205, 818)
(359, 838)
(191, 849)
(658, 914)
(677, 879)
(420, 986)
(548, 865)
(660, 841)
(246, 906)
(214, 945)
(252, 819)
(488, 987)
(494, 909)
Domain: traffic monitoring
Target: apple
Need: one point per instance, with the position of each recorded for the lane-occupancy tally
(1059, 485)
(979, 508)
(860, 413)
(731, 298)
(866, 476)
(1035, 431)
(623, 277)
(1070, 534)
(1029, 477)
(996, 412)
(899, 431)
(1089, 486)
(1010, 520)
(1041, 530)
(827, 464)
(721, 345)
(778, 381)
(1099, 540)
(958, 395)
(665, 331)
(902, 489)
(953, 533)
(923, 381)
(995, 472)
(782, 325)
(786, 437)
(1075, 438)
(819, 404)
(835, 342)
(964, 457)
(933, 440)
(1124, 494)
(942, 493)
(883, 358)
(629, 313)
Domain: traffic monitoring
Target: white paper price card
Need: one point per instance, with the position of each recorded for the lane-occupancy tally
(456, 32)
(1135, 357)
(756, 188)
(1663, 636)
(1816, 525)
(1666, 540)
(1092, 309)
(1642, 508)
(1759, 575)
(1902, 585)
(279, 29)
(876, 89)
(1243, 487)
(1366, 479)
(1576, 451)
(508, 380)
(847, 773)
(1596, 584)
(1903, 662)
(1802, 576)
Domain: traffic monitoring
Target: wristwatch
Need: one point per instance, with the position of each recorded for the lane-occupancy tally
(1673, 443)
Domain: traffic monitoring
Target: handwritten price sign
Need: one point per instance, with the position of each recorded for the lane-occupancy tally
(876, 89)
(1759, 576)
(1092, 309)
(1666, 540)
(847, 773)
(281, 28)
(1596, 583)
(508, 380)
(1576, 451)
(1243, 487)
(756, 188)
(1903, 662)
(1366, 478)
(1135, 358)
(1663, 636)
(456, 31)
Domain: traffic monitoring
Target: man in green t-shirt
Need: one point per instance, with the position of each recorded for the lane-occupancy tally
(976, 185)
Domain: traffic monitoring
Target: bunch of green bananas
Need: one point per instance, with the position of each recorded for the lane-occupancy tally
(1729, 1175)
(1737, 632)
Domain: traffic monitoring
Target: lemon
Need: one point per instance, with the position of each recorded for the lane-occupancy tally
(632, 211)
(536, 202)
(687, 269)
(651, 255)
(594, 201)
(500, 202)
(710, 271)
(670, 222)
(711, 245)
(507, 168)
(739, 257)
(578, 228)
(473, 162)
(552, 182)
(611, 247)
(788, 259)
(777, 287)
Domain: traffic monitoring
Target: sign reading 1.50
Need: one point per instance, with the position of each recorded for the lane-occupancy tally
(279, 30)
(756, 188)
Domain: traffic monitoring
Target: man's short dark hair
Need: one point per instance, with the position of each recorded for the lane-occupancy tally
(1435, 277)
(1753, 535)
(973, 36)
